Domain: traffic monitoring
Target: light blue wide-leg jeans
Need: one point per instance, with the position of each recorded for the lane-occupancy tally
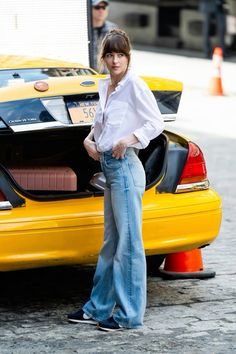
(119, 287)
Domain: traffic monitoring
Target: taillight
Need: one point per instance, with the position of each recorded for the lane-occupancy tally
(2, 197)
(4, 203)
(194, 175)
(195, 167)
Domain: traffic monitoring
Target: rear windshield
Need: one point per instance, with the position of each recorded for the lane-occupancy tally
(168, 101)
(37, 113)
(11, 77)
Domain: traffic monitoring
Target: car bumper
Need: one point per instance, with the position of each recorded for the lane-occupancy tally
(71, 232)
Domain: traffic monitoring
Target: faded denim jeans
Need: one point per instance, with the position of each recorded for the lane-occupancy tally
(119, 287)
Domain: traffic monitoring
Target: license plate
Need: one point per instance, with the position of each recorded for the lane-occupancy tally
(82, 112)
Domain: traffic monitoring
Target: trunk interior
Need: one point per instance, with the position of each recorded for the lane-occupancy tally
(64, 148)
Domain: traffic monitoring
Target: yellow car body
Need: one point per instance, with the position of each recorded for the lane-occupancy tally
(26, 62)
(66, 231)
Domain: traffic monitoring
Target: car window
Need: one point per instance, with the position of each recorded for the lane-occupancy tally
(168, 101)
(24, 112)
(9, 77)
(22, 115)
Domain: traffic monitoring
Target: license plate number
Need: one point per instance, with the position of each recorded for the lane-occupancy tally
(82, 112)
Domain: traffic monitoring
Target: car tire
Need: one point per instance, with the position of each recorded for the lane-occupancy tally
(154, 263)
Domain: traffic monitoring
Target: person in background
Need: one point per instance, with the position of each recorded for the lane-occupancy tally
(213, 10)
(127, 118)
(101, 27)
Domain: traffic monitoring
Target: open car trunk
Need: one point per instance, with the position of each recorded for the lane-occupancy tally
(61, 152)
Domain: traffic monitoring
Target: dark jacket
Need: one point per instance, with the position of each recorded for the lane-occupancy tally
(98, 35)
(211, 6)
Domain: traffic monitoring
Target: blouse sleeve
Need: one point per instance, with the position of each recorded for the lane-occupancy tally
(148, 113)
(98, 111)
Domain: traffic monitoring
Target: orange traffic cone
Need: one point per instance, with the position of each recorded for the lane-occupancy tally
(185, 265)
(216, 88)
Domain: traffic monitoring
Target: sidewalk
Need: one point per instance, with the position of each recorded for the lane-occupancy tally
(198, 111)
(194, 72)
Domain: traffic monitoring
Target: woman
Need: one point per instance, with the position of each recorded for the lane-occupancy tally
(127, 118)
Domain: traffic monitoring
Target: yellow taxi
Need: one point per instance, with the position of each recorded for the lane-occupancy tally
(51, 192)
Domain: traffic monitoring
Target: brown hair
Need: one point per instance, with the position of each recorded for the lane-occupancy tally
(116, 40)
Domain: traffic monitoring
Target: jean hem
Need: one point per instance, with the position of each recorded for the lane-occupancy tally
(125, 325)
(94, 317)
(128, 327)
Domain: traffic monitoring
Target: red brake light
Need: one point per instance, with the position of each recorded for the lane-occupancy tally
(195, 167)
(4, 203)
(2, 197)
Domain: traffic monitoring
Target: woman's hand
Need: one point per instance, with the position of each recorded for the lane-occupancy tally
(91, 148)
(119, 149)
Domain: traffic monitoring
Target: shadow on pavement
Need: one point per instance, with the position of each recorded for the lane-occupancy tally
(45, 286)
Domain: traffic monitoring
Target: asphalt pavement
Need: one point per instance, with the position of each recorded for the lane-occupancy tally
(186, 66)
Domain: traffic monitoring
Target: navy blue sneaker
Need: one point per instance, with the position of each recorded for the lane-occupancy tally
(109, 325)
(80, 317)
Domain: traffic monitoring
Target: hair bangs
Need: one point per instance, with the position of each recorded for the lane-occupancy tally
(116, 44)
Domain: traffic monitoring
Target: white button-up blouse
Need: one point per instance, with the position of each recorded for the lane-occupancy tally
(130, 109)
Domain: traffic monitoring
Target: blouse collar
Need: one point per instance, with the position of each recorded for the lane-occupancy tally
(105, 82)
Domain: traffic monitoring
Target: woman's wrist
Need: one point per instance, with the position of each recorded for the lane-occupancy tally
(130, 140)
(90, 135)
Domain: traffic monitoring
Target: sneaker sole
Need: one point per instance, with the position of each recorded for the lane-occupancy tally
(105, 329)
(91, 322)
